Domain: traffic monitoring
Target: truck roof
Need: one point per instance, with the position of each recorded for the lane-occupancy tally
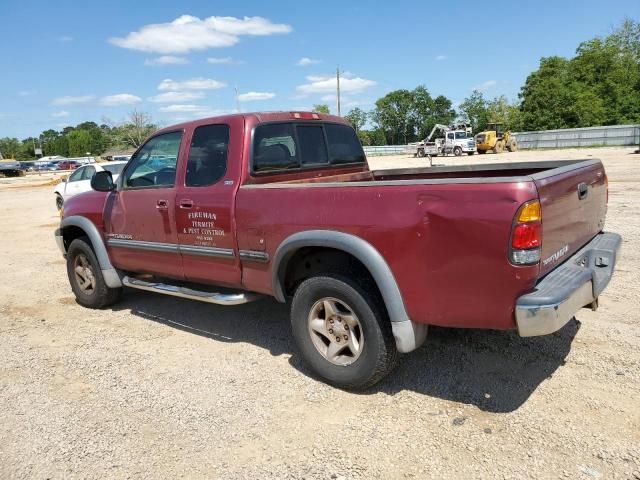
(261, 117)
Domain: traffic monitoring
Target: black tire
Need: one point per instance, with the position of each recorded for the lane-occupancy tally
(378, 355)
(421, 153)
(481, 152)
(470, 153)
(457, 151)
(100, 295)
(59, 202)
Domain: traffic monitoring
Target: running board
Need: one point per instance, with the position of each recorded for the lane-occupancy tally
(236, 298)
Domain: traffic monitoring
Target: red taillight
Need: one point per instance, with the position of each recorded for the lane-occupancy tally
(526, 236)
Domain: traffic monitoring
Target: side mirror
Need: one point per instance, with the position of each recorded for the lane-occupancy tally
(103, 182)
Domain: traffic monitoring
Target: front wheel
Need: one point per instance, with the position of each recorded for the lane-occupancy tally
(342, 331)
(457, 151)
(85, 276)
(421, 153)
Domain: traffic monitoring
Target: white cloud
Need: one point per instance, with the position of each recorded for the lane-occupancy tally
(165, 60)
(174, 97)
(183, 108)
(60, 114)
(252, 96)
(220, 61)
(441, 57)
(24, 93)
(198, 83)
(119, 99)
(305, 61)
(65, 38)
(71, 100)
(187, 33)
(484, 86)
(182, 112)
(327, 84)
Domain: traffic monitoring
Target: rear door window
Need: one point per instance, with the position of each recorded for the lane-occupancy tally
(207, 155)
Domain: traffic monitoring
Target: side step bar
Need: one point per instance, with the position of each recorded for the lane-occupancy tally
(237, 298)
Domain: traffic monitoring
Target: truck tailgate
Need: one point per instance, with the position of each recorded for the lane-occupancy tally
(574, 203)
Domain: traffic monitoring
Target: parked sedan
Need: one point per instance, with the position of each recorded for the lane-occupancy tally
(68, 165)
(80, 180)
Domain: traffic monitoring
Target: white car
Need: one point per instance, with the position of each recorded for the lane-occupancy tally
(80, 180)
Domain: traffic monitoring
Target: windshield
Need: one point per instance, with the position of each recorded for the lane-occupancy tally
(460, 135)
(114, 169)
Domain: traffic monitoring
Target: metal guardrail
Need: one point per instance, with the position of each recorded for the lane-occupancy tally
(371, 151)
(615, 135)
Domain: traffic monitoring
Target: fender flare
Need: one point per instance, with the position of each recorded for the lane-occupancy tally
(409, 335)
(110, 274)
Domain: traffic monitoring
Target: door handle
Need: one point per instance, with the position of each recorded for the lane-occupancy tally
(583, 191)
(162, 204)
(186, 203)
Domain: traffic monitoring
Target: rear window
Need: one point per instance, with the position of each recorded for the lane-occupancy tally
(344, 146)
(114, 169)
(289, 146)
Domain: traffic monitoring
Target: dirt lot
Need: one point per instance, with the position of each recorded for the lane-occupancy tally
(158, 387)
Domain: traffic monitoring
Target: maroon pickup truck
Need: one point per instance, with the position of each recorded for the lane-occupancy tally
(227, 210)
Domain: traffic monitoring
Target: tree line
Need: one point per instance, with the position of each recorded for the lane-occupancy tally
(600, 85)
(86, 138)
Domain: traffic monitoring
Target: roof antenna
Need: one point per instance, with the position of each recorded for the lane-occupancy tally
(237, 100)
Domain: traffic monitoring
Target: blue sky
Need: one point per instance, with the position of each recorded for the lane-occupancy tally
(69, 61)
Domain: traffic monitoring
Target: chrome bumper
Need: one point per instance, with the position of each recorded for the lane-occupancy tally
(575, 284)
(60, 241)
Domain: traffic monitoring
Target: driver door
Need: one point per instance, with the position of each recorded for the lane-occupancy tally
(140, 214)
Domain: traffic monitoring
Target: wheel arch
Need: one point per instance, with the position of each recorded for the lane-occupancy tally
(76, 226)
(408, 335)
(352, 245)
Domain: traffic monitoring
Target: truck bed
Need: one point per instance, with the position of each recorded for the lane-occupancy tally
(473, 173)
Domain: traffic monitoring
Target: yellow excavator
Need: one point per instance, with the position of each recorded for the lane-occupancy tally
(493, 139)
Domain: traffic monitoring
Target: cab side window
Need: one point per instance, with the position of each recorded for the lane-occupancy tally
(154, 165)
(207, 161)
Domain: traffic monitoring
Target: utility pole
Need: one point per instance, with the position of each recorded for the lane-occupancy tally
(338, 88)
(237, 100)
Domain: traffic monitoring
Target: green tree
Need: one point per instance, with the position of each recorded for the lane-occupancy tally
(357, 118)
(80, 142)
(599, 86)
(393, 115)
(474, 110)
(321, 108)
(10, 147)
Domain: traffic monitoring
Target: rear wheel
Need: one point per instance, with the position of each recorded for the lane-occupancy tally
(85, 276)
(421, 153)
(342, 331)
(470, 153)
(513, 146)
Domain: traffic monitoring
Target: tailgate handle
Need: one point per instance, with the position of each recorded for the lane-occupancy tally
(583, 190)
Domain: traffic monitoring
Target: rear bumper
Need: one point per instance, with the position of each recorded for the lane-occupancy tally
(575, 284)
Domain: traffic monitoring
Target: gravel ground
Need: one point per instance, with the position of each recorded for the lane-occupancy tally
(159, 387)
